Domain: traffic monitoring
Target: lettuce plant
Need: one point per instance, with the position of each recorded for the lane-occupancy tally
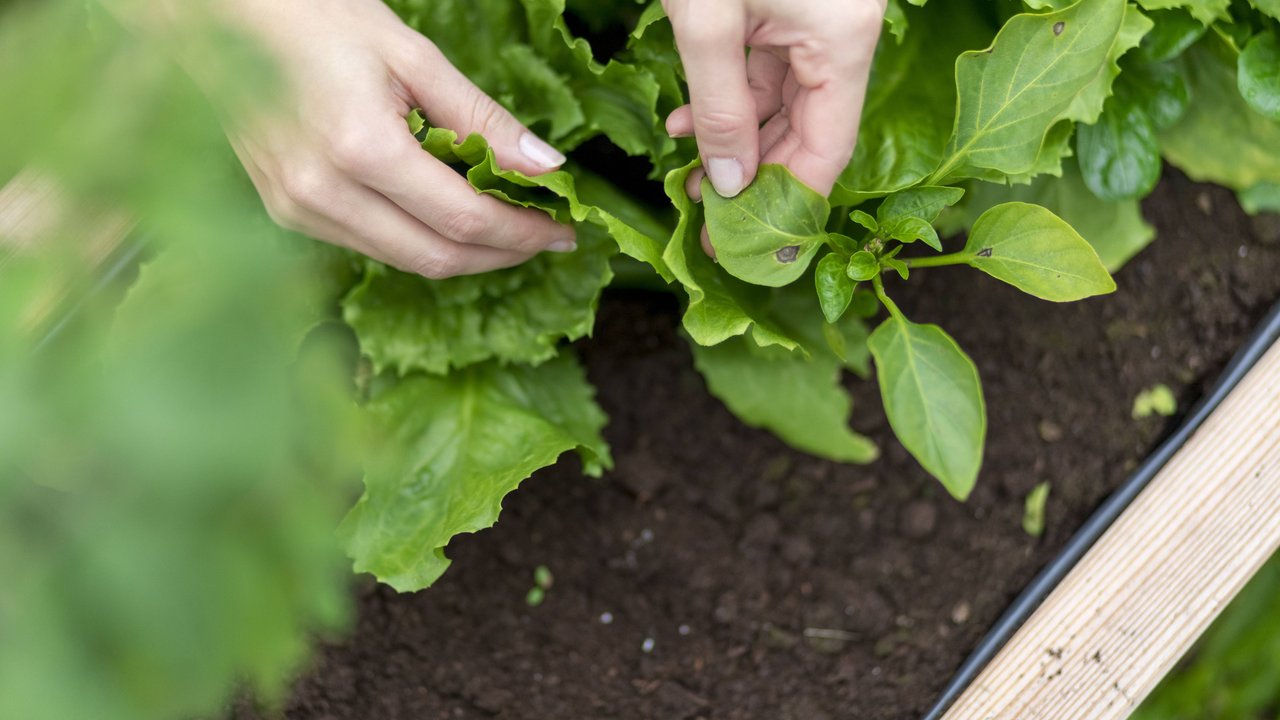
(1035, 127)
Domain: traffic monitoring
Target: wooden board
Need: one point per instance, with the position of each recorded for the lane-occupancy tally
(1107, 635)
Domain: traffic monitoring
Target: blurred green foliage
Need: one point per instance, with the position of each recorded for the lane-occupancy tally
(1234, 672)
(173, 463)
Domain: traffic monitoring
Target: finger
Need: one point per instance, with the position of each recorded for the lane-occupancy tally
(826, 110)
(772, 133)
(711, 39)
(693, 184)
(386, 158)
(371, 224)
(765, 75)
(706, 244)
(452, 101)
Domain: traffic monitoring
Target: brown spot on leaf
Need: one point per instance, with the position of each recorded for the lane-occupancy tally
(984, 252)
(1058, 27)
(788, 254)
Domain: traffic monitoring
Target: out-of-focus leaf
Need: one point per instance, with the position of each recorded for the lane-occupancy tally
(448, 449)
(1259, 75)
(1221, 139)
(1119, 155)
(1206, 11)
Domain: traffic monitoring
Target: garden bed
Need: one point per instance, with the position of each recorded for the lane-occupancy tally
(718, 574)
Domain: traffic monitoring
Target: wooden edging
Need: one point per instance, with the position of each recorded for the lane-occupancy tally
(1138, 600)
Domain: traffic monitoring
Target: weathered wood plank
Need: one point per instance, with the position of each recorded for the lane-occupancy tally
(1141, 597)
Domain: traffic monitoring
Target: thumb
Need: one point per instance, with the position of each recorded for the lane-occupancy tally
(450, 100)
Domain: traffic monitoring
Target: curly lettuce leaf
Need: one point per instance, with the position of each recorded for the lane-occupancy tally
(447, 450)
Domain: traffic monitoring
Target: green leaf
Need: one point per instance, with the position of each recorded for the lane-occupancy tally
(865, 220)
(799, 399)
(1160, 89)
(1206, 11)
(1037, 252)
(835, 287)
(1155, 400)
(450, 448)
(1261, 198)
(1174, 33)
(1120, 155)
(1116, 230)
(720, 306)
(769, 233)
(863, 266)
(1259, 74)
(406, 323)
(911, 229)
(559, 194)
(1033, 512)
(1221, 139)
(1007, 103)
(933, 398)
(907, 117)
(925, 202)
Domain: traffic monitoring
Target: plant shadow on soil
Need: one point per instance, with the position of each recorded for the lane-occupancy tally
(775, 585)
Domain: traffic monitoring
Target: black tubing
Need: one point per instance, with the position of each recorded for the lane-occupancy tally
(1263, 338)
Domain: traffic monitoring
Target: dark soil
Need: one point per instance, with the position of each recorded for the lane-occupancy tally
(718, 574)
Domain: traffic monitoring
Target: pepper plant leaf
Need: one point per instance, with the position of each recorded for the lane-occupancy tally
(768, 233)
(1012, 94)
(1037, 252)
(448, 449)
(1120, 154)
(933, 398)
(835, 287)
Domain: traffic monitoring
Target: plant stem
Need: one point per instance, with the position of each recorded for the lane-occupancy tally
(937, 260)
(878, 283)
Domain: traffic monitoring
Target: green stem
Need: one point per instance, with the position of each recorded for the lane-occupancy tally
(878, 283)
(938, 260)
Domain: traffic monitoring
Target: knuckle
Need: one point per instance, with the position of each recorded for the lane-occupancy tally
(695, 33)
(484, 115)
(464, 224)
(435, 265)
(355, 149)
(859, 19)
(719, 121)
(303, 186)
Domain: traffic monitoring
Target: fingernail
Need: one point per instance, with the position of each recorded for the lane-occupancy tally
(726, 176)
(563, 246)
(539, 152)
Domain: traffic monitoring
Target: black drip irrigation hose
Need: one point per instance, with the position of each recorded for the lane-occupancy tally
(1034, 594)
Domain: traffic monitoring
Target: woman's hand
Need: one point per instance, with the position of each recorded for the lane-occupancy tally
(337, 161)
(805, 80)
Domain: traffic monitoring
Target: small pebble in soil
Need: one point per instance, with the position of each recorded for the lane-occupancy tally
(647, 645)
(1050, 431)
(606, 618)
(684, 629)
(919, 519)
(961, 612)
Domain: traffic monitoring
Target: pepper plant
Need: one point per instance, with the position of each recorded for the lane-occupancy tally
(1026, 130)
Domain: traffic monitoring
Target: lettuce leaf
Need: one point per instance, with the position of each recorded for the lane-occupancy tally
(446, 450)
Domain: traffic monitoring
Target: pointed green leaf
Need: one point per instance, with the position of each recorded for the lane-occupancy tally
(769, 233)
(1037, 252)
(1260, 74)
(451, 449)
(865, 220)
(1116, 230)
(911, 229)
(933, 398)
(835, 287)
(1013, 93)
(924, 202)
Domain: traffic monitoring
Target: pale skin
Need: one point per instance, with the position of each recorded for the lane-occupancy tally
(360, 180)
